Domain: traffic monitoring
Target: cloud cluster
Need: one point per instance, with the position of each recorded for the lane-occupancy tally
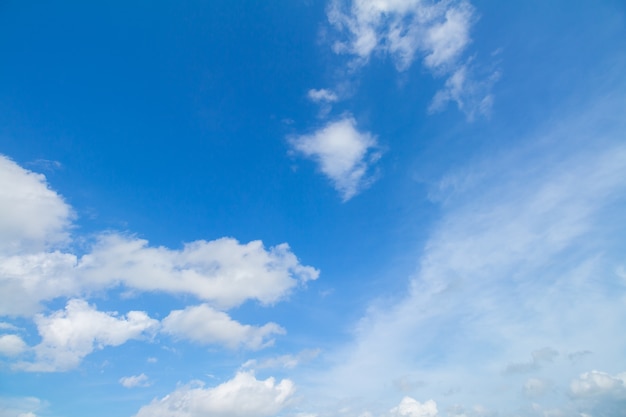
(402, 28)
(36, 266)
(439, 32)
(242, 396)
(343, 154)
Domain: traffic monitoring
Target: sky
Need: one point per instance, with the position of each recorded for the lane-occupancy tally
(299, 208)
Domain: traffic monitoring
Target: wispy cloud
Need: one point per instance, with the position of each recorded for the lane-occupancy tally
(343, 153)
(133, 381)
(514, 250)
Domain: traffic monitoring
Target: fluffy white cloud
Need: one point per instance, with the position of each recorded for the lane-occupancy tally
(410, 407)
(222, 271)
(401, 28)
(68, 335)
(11, 345)
(133, 381)
(205, 325)
(596, 383)
(242, 396)
(32, 217)
(343, 154)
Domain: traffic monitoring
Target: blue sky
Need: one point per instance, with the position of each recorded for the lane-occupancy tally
(366, 208)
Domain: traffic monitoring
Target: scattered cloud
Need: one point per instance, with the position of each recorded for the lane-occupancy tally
(343, 154)
(140, 380)
(11, 345)
(513, 251)
(242, 396)
(206, 325)
(68, 335)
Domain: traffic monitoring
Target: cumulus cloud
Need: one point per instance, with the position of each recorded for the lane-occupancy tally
(140, 380)
(242, 396)
(68, 335)
(596, 383)
(11, 345)
(32, 216)
(343, 154)
(410, 407)
(205, 325)
(222, 271)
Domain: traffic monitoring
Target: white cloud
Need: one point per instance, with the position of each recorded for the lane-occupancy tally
(471, 96)
(322, 95)
(401, 28)
(596, 383)
(207, 326)
(11, 345)
(222, 271)
(68, 335)
(410, 407)
(343, 154)
(242, 396)
(283, 361)
(32, 217)
(140, 380)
